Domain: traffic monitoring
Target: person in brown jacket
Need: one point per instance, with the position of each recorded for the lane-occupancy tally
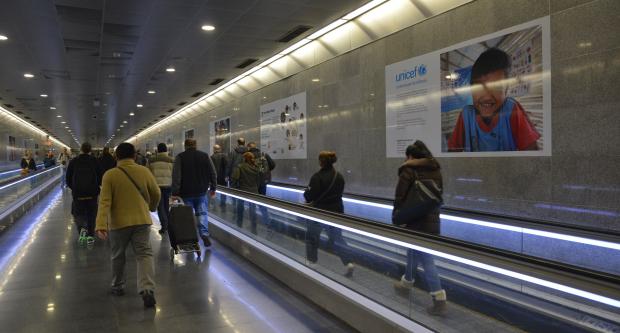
(420, 164)
(129, 191)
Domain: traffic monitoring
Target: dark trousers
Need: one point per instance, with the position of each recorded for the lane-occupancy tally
(335, 242)
(252, 210)
(85, 214)
(164, 207)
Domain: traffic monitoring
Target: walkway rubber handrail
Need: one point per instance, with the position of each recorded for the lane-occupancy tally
(2, 172)
(7, 183)
(568, 275)
(518, 221)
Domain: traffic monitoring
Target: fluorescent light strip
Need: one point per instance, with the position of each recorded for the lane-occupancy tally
(548, 234)
(24, 179)
(31, 127)
(330, 27)
(501, 271)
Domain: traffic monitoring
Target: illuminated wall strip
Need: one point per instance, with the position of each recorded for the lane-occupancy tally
(16, 170)
(501, 271)
(318, 34)
(29, 177)
(32, 128)
(548, 234)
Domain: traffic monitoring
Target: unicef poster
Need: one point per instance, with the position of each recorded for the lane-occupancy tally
(283, 128)
(490, 96)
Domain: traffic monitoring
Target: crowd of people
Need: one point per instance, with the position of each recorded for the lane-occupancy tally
(114, 194)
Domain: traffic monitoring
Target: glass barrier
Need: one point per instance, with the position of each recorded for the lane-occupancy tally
(438, 289)
(7, 175)
(585, 252)
(16, 189)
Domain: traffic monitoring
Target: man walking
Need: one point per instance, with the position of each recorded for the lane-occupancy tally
(161, 167)
(128, 193)
(84, 178)
(106, 160)
(193, 175)
(64, 159)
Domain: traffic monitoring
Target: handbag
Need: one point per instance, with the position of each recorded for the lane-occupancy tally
(313, 203)
(423, 196)
(135, 185)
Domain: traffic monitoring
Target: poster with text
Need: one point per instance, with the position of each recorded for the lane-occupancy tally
(170, 145)
(283, 127)
(490, 96)
(220, 135)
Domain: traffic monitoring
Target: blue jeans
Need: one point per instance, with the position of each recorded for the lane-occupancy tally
(200, 210)
(252, 210)
(428, 263)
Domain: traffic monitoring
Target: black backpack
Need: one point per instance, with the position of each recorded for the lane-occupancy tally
(84, 180)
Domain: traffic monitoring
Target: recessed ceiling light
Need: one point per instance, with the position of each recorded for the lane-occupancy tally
(43, 95)
(139, 105)
(316, 80)
(118, 129)
(170, 69)
(58, 116)
(124, 121)
(151, 92)
(52, 108)
(28, 75)
(63, 122)
(3, 37)
(208, 28)
(122, 126)
(66, 126)
(132, 114)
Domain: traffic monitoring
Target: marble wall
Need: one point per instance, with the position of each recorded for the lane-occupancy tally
(578, 185)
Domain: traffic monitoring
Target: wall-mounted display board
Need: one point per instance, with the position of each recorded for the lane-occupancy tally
(283, 128)
(489, 96)
(220, 135)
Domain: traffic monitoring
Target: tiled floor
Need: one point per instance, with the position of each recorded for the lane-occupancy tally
(50, 284)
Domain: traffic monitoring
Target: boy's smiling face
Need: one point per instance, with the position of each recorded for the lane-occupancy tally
(488, 93)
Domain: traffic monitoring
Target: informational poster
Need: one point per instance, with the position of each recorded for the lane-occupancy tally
(12, 150)
(220, 134)
(283, 128)
(490, 96)
(188, 134)
(170, 145)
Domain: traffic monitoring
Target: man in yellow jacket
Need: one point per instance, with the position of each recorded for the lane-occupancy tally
(128, 193)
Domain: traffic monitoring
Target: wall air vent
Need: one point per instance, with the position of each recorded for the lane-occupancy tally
(216, 82)
(294, 33)
(182, 103)
(162, 116)
(26, 117)
(198, 93)
(170, 110)
(10, 106)
(247, 63)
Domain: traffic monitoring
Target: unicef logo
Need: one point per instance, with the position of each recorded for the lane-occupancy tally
(422, 70)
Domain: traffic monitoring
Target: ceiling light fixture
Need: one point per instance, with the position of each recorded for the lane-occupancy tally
(124, 121)
(28, 75)
(58, 116)
(170, 70)
(208, 28)
(43, 95)
(151, 92)
(52, 108)
(132, 114)
(3, 37)
(316, 80)
(139, 105)
(63, 122)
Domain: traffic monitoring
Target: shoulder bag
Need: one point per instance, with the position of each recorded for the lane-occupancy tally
(313, 203)
(423, 196)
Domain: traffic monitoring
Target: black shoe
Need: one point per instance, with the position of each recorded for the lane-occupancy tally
(206, 241)
(117, 291)
(148, 298)
(163, 231)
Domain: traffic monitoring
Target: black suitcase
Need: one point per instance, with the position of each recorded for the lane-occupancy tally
(182, 230)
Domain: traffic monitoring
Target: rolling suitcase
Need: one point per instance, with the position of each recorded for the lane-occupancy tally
(182, 230)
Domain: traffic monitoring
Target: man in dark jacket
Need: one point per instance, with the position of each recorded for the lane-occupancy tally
(106, 160)
(84, 179)
(220, 161)
(236, 157)
(193, 174)
(265, 165)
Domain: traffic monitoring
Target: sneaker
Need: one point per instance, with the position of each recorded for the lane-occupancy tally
(349, 268)
(440, 303)
(90, 240)
(206, 241)
(82, 237)
(403, 285)
(148, 298)
(117, 291)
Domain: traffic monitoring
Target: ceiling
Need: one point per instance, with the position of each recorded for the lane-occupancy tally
(96, 59)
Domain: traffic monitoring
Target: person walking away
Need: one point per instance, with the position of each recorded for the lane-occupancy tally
(84, 179)
(235, 157)
(140, 159)
(265, 165)
(220, 161)
(161, 166)
(247, 178)
(325, 192)
(64, 159)
(49, 160)
(193, 174)
(420, 165)
(106, 160)
(128, 193)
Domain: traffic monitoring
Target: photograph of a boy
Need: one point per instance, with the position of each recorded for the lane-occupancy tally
(494, 122)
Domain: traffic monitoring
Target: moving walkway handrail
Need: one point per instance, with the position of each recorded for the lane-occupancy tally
(512, 220)
(11, 181)
(593, 285)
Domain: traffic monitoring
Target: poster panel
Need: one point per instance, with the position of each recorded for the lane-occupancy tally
(170, 144)
(283, 127)
(490, 96)
(220, 135)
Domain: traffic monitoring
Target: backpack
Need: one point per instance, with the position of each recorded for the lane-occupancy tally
(84, 181)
